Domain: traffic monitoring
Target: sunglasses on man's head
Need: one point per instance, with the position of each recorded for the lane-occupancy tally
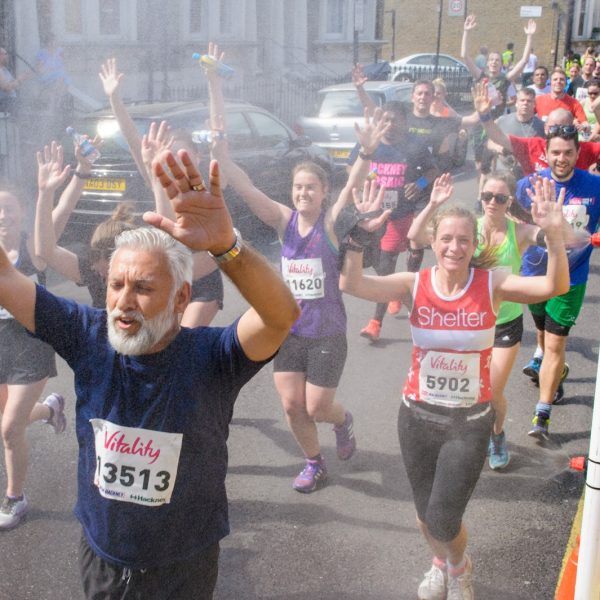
(499, 198)
(562, 131)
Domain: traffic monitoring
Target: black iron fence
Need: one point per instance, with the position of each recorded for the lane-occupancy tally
(286, 97)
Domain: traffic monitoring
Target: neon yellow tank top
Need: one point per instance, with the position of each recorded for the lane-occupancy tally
(508, 257)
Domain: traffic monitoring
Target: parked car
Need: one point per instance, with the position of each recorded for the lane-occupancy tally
(331, 124)
(422, 66)
(259, 143)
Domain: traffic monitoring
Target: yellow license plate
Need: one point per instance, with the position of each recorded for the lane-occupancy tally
(105, 185)
(339, 153)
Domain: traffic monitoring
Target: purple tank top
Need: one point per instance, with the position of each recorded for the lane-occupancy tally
(309, 267)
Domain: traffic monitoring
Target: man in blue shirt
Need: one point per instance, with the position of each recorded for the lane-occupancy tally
(154, 400)
(554, 318)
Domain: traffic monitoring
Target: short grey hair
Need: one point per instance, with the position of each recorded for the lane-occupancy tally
(150, 239)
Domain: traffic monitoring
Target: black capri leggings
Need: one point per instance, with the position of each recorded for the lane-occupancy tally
(443, 463)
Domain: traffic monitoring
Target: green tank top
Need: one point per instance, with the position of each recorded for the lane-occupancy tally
(508, 257)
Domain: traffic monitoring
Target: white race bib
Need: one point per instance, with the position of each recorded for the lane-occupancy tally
(576, 216)
(305, 277)
(390, 200)
(135, 465)
(449, 379)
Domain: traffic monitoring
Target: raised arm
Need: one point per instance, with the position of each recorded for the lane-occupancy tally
(469, 24)
(204, 223)
(111, 81)
(271, 213)
(353, 280)
(369, 137)
(442, 190)
(546, 211)
(517, 69)
(72, 193)
(155, 142)
(359, 79)
(51, 175)
(483, 107)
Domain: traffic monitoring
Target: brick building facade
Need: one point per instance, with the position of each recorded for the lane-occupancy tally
(498, 23)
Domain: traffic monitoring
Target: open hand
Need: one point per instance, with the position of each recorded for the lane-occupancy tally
(51, 173)
(371, 133)
(481, 97)
(358, 76)
(370, 201)
(110, 77)
(442, 190)
(470, 23)
(546, 208)
(202, 221)
(531, 27)
(155, 141)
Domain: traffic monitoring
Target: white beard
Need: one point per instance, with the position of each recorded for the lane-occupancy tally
(151, 331)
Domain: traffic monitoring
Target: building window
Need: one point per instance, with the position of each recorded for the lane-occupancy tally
(84, 20)
(334, 17)
(201, 20)
(73, 20)
(109, 19)
(196, 16)
(228, 11)
(339, 19)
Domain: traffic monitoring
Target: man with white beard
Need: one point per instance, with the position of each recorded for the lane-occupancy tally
(154, 400)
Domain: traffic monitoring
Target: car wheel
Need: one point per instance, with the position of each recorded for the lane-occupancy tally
(403, 77)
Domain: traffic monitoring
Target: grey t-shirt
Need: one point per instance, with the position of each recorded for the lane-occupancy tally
(510, 125)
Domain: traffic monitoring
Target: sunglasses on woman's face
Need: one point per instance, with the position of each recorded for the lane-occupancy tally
(499, 198)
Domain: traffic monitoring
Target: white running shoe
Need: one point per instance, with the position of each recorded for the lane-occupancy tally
(12, 512)
(433, 586)
(461, 587)
(58, 420)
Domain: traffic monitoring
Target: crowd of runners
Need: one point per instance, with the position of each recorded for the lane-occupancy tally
(153, 379)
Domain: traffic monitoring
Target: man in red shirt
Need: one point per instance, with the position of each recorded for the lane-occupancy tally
(531, 151)
(557, 98)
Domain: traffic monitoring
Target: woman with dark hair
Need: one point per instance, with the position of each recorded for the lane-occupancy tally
(310, 362)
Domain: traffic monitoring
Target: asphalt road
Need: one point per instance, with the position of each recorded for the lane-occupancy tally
(356, 538)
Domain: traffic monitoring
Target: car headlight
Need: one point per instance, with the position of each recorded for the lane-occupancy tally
(107, 128)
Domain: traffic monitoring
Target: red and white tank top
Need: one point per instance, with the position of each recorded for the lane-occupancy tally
(453, 338)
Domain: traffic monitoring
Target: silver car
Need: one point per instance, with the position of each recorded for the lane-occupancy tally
(339, 108)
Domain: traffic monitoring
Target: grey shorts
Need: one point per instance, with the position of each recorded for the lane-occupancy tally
(321, 359)
(23, 358)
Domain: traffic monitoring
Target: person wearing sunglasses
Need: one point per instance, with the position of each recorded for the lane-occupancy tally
(530, 152)
(555, 318)
(509, 237)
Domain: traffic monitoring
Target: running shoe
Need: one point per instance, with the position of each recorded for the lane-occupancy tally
(461, 587)
(532, 369)
(58, 420)
(560, 390)
(312, 477)
(344, 438)
(12, 512)
(499, 456)
(394, 307)
(372, 330)
(433, 586)
(541, 421)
